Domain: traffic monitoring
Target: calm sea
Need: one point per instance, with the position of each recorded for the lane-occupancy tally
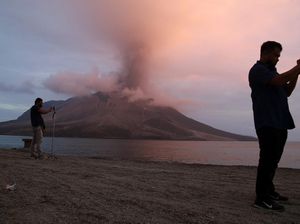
(202, 152)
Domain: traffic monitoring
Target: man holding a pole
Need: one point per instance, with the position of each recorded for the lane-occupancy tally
(38, 127)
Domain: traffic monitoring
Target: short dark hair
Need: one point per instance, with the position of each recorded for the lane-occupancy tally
(269, 46)
(38, 100)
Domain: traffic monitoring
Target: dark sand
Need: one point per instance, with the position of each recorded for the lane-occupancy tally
(95, 190)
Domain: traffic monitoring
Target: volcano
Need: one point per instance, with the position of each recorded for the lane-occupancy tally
(112, 115)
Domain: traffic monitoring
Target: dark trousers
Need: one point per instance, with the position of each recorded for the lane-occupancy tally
(271, 144)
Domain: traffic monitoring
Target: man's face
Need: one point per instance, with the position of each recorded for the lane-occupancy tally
(40, 103)
(273, 57)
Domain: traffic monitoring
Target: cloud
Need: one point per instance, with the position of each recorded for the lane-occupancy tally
(13, 107)
(25, 87)
(74, 83)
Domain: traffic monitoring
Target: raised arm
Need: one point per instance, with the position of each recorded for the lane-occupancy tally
(45, 111)
(291, 86)
(289, 76)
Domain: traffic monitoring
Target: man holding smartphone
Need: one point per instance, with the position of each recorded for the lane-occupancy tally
(272, 119)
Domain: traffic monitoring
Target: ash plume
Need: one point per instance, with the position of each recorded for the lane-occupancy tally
(74, 83)
(134, 66)
(135, 31)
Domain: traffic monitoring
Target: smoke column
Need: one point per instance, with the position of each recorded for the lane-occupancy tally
(135, 30)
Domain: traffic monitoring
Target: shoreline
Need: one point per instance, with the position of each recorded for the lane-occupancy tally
(145, 160)
(73, 189)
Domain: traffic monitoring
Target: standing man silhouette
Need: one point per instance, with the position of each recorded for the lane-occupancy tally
(38, 127)
(272, 119)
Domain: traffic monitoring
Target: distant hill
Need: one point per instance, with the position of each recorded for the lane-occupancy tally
(103, 115)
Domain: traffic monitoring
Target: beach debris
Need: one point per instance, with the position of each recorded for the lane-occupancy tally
(11, 187)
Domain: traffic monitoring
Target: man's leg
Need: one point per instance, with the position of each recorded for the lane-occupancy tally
(269, 144)
(282, 137)
(39, 138)
(33, 142)
(270, 148)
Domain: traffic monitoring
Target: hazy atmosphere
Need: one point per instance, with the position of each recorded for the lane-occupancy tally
(193, 55)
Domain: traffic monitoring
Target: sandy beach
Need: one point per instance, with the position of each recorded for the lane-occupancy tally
(101, 190)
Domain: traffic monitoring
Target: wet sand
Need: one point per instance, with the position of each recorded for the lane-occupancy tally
(99, 190)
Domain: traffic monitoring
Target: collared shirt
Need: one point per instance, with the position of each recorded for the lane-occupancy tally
(269, 102)
(36, 117)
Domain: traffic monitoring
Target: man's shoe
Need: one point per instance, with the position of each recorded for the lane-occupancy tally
(33, 156)
(277, 197)
(268, 204)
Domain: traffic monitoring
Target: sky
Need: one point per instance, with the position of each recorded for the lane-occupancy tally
(190, 54)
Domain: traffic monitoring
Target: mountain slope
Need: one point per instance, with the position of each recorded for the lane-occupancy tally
(113, 116)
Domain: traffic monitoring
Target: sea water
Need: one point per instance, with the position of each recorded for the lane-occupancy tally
(199, 152)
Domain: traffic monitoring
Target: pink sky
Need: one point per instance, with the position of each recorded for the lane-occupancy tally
(192, 54)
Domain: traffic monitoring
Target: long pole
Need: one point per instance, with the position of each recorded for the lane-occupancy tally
(53, 130)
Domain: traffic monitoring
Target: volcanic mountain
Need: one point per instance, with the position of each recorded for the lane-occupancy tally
(112, 115)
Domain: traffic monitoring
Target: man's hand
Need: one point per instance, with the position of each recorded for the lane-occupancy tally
(288, 76)
(51, 109)
(298, 66)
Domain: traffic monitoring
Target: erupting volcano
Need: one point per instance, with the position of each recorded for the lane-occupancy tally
(103, 115)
